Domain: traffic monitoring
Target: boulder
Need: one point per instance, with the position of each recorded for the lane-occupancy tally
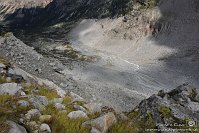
(102, 123)
(15, 128)
(33, 113)
(77, 114)
(45, 118)
(78, 107)
(2, 65)
(93, 107)
(10, 88)
(44, 128)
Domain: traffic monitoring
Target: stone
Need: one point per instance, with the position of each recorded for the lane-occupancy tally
(45, 118)
(15, 128)
(102, 123)
(39, 102)
(59, 106)
(77, 114)
(23, 103)
(23, 93)
(10, 88)
(93, 107)
(32, 113)
(78, 107)
(94, 130)
(44, 128)
(2, 65)
(21, 120)
(11, 71)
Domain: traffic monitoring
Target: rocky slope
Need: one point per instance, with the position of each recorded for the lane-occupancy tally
(117, 61)
(20, 12)
(31, 104)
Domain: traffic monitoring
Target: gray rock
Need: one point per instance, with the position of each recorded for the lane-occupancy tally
(10, 88)
(33, 113)
(23, 93)
(77, 114)
(23, 103)
(44, 128)
(93, 107)
(39, 102)
(2, 65)
(59, 106)
(11, 71)
(16, 128)
(102, 123)
(94, 130)
(78, 107)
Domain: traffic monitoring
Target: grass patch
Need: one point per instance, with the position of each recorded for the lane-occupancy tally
(62, 124)
(124, 127)
(33, 88)
(50, 110)
(165, 111)
(28, 88)
(2, 80)
(49, 93)
(133, 114)
(94, 115)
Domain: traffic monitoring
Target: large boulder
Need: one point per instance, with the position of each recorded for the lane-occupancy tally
(102, 123)
(15, 128)
(44, 128)
(10, 88)
(177, 106)
(77, 114)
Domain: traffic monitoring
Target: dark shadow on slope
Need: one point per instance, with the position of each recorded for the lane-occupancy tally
(178, 28)
(40, 22)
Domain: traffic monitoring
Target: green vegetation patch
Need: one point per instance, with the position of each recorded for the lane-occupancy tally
(49, 93)
(124, 127)
(165, 111)
(2, 79)
(62, 124)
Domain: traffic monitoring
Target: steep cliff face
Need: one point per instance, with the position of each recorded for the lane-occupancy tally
(21, 12)
(32, 11)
